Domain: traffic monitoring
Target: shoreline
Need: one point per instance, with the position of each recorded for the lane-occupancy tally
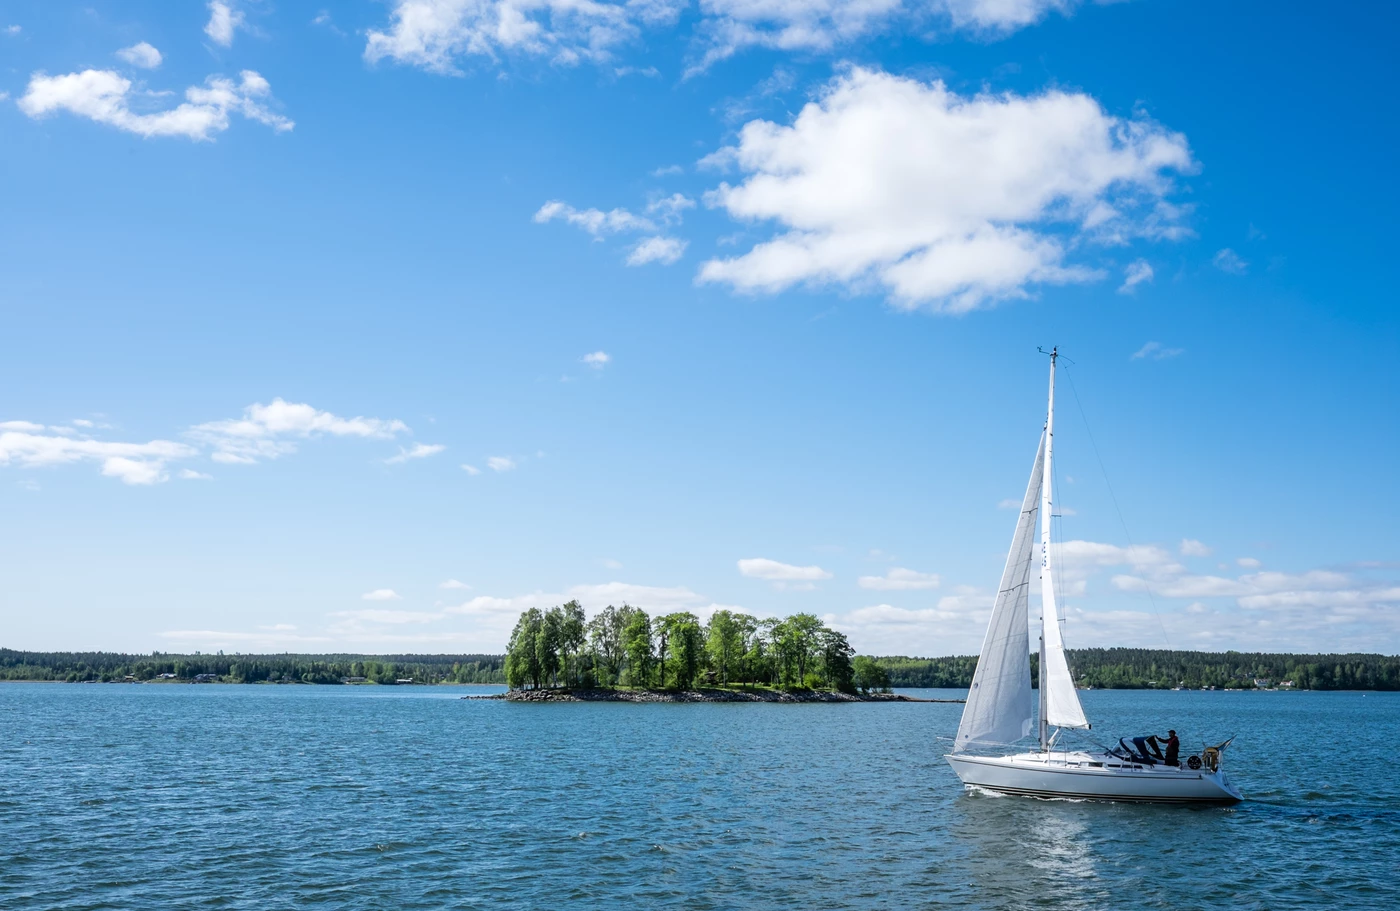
(704, 694)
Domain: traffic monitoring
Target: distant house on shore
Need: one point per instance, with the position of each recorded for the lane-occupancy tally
(205, 678)
(166, 676)
(1262, 682)
(404, 680)
(352, 680)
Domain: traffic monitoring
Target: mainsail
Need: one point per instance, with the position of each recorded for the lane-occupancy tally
(998, 709)
(1059, 701)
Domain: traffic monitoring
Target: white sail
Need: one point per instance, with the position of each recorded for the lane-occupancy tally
(998, 709)
(1060, 701)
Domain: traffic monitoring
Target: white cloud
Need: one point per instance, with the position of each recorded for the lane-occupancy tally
(1249, 563)
(189, 474)
(417, 451)
(438, 35)
(223, 21)
(12, 29)
(262, 431)
(1190, 547)
(453, 583)
(141, 54)
(1156, 352)
(105, 97)
(471, 470)
(664, 250)
(132, 463)
(135, 471)
(782, 574)
(434, 34)
(597, 359)
(82, 422)
(670, 208)
(594, 221)
(1228, 260)
(948, 202)
(381, 594)
(611, 564)
(500, 463)
(1137, 272)
(898, 579)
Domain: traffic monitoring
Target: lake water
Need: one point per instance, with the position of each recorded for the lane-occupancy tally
(264, 797)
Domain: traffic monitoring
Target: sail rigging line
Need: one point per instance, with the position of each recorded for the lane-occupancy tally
(1132, 548)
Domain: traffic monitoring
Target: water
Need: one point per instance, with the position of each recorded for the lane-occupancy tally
(263, 797)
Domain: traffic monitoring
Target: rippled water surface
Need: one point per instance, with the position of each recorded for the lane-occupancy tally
(260, 797)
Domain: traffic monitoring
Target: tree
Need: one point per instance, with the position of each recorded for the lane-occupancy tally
(571, 640)
(725, 643)
(805, 629)
(836, 655)
(869, 676)
(522, 660)
(547, 643)
(636, 642)
(682, 631)
(605, 638)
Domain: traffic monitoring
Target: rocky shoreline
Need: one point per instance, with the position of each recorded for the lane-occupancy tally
(696, 695)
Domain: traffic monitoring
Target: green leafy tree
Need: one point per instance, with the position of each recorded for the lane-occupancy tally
(725, 643)
(869, 676)
(686, 640)
(523, 666)
(637, 643)
(606, 641)
(836, 653)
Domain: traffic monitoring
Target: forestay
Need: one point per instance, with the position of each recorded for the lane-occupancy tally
(998, 709)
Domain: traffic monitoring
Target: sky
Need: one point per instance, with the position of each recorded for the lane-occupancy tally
(365, 327)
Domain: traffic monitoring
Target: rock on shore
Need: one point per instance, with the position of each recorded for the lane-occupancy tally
(696, 695)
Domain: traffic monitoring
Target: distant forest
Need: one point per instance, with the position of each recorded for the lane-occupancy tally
(1112, 668)
(1140, 668)
(81, 667)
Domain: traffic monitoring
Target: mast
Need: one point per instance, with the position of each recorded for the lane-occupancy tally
(1046, 580)
(1059, 702)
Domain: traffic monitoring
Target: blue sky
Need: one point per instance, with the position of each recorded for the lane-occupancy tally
(364, 328)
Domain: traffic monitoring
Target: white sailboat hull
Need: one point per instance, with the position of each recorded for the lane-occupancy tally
(1090, 777)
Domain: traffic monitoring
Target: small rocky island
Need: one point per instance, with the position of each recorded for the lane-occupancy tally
(699, 694)
(624, 655)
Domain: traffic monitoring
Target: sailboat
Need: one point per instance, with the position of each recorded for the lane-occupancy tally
(998, 710)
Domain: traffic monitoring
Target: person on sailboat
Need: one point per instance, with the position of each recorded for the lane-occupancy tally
(1171, 742)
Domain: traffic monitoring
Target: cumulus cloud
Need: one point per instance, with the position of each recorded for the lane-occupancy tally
(224, 20)
(142, 55)
(664, 250)
(670, 208)
(594, 221)
(1156, 352)
(500, 463)
(453, 583)
(947, 202)
(30, 445)
(417, 451)
(898, 579)
(1228, 260)
(1190, 547)
(381, 594)
(782, 575)
(436, 34)
(268, 431)
(107, 97)
(597, 359)
(189, 474)
(1137, 272)
(1249, 563)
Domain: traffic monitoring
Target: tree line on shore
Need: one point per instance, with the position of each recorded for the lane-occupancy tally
(624, 646)
(84, 667)
(1114, 668)
(1140, 668)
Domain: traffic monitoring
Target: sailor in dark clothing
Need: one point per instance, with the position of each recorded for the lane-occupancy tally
(1171, 742)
